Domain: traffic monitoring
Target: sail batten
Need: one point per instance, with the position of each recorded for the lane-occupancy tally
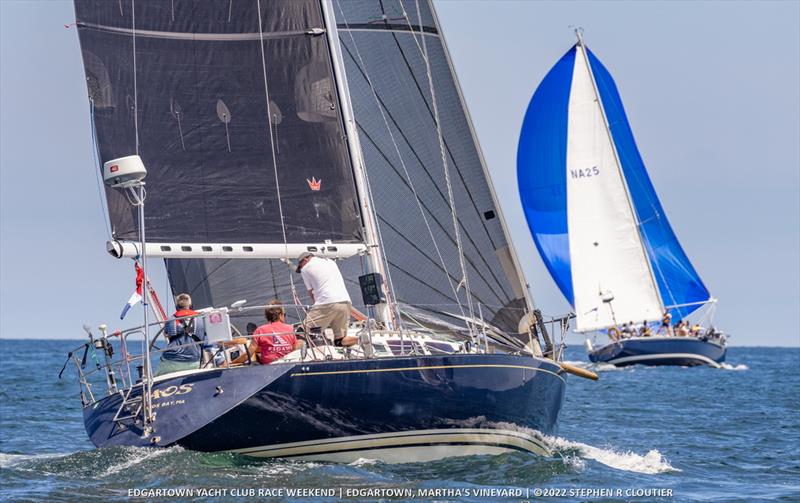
(197, 37)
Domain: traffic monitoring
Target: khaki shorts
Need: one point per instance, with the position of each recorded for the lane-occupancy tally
(335, 315)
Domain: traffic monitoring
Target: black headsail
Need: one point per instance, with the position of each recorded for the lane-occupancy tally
(384, 46)
(232, 106)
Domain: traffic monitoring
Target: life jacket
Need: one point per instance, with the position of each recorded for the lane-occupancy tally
(186, 325)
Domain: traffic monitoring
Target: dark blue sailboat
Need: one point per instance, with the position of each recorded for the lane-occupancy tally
(397, 409)
(598, 224)
(270, 128)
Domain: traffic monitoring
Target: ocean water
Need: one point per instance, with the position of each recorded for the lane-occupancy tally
(637, 434)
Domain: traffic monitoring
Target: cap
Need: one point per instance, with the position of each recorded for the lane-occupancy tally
(300, 259)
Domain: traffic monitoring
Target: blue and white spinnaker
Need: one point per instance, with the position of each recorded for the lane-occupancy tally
(591, 207)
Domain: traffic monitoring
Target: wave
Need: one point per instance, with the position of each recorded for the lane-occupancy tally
(574, 454)
(12, 460)
(363, 462)
(135, 455)
(728, 366)
(283, 467)
(651, 463)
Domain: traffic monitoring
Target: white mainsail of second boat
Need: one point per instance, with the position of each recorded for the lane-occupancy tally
(611, 275)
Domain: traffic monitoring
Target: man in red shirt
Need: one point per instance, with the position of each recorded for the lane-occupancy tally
(275, 339)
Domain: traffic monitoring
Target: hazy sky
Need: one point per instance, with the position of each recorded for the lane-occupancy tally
(712, 91)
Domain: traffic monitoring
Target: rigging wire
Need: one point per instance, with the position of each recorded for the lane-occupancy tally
(391, 294)
(393, 305)
(135, 91)
(396, 170)
(474, 205)
(400, 157)
(424, 53)
(411, 243)
(98, 169)
(295, 297)
(131, 200)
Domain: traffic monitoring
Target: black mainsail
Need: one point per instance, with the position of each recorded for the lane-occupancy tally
(243, 143)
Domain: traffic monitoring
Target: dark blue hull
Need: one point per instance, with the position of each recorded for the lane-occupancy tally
(395, 409)
(683, 351)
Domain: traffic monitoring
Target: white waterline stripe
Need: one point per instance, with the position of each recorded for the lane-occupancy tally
(639, 358)
(499, 438)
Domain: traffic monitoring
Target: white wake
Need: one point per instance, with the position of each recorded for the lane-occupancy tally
(135, 456)
(575, 453)
(10, 460)
(363, 462)
(651, 463)
(728, 366)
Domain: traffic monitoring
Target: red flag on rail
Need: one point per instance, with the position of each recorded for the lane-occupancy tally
(137, 294)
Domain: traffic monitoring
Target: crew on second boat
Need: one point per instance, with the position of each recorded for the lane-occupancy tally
(666, 323)
(681, 329)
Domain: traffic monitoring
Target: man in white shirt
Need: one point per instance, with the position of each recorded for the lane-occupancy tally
(332, 303)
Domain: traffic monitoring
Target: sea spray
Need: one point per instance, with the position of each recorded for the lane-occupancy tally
(651, 463)
(20, 460)
(137, 455)
(364, 462)
(728, 366)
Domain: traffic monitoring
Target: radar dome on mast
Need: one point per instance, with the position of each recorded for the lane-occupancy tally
(124, 171)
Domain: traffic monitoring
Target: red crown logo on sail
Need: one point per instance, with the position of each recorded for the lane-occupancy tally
(314, 184)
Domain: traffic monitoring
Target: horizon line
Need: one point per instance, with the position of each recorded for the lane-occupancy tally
(573, 345)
